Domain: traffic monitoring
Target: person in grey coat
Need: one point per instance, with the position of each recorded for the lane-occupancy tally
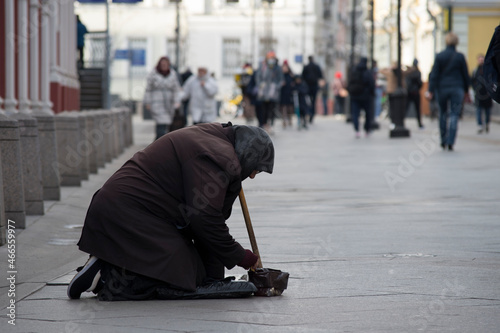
(449, 82)
(201, 89)
(163, 95)
(268, 81)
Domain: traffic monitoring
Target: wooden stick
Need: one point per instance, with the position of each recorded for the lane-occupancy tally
(248, 223)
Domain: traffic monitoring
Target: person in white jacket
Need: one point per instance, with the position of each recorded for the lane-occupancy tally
(201, 90)
(163, 95)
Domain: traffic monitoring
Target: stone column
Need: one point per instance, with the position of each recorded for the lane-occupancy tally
(46, 104)
(34, 57)
(31, 168)
(22, 56)
(10, 35)
(99, 139)
(3, 220)
(44, 115)
(117, 132)
(130, 128)
(106, 127)
(10, 150)
(123, 134)
(48, 146)
(69, 161)
(83, 147)
(92, 141)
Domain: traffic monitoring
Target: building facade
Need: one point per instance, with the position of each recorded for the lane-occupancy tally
(219, 34)
(38, 56)
(424, 24)
(473, 22)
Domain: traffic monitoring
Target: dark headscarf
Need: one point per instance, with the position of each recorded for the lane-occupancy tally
(158, 68)
(254, 149)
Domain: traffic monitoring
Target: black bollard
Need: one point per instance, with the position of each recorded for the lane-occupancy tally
(397, 110)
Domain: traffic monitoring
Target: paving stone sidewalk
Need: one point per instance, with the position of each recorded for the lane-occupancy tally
(378, 235)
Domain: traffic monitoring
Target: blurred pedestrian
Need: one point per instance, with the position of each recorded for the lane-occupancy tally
(201, 90)
(379, 90)
(268, 81)
(81, 31)
(449, 82)
(163, 95)
(302, 100)
(391, 76)
(361, 89)
(248, 106)
(311, 74)
(491, 66)
(340, 93)
(251, 91)
(323, 88)
(286, 98)
(413, 86)
(483, 101)
(157, 228)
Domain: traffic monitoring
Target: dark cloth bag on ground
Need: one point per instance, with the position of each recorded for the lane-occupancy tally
(269, 282)
(491, 67)
(178, 121)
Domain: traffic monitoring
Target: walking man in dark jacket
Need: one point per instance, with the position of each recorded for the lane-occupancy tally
(361, 89)
(449, 82)
(311, 74)
(482, 100)
(157, 228)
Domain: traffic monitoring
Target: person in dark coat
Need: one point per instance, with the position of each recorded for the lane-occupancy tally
(252, 90)
(81, 31)
(413, 85)
(244, 82)
(268, 79)
(157, 228)
(301, 99)
(311, 74)
(482, 100)
(449, 82)
(286, 98)
(361, 89)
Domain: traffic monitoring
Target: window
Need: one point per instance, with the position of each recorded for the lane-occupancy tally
(265, 45)
(137, 56)
(230, 56)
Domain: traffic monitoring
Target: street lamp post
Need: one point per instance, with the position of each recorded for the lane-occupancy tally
(397, 100)
(268, 25)
(107, 100)
(352, 56)
(177, 36)
(372, 32)
(353, 33)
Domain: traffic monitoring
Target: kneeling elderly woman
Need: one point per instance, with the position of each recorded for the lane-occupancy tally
(157, 228)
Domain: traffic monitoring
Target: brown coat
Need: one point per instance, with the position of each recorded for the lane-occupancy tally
(177, 190)
(392, 79)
